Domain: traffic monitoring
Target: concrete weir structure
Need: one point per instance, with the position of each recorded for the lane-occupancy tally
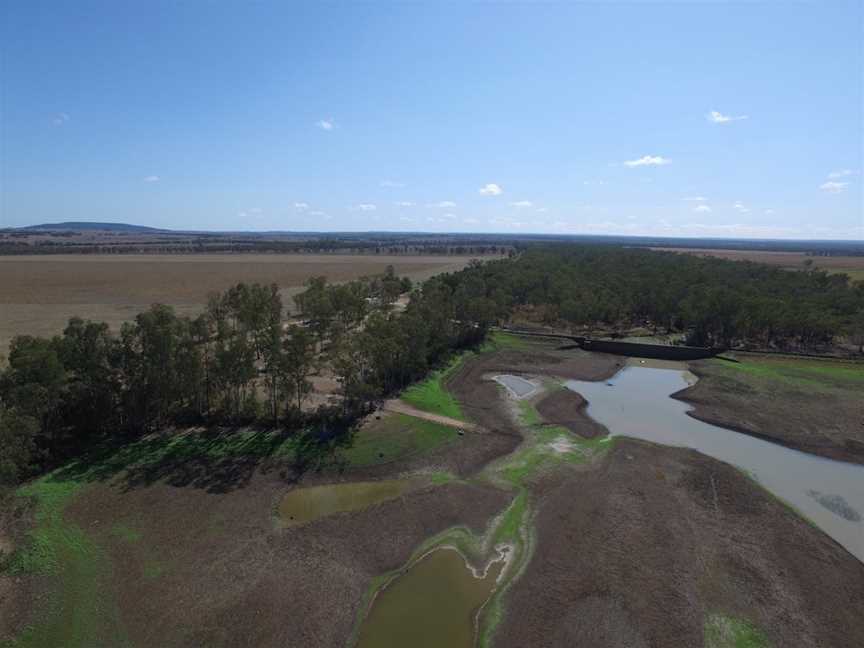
(634, 349)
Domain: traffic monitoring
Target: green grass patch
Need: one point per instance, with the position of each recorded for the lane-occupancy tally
(497, 340)
(510, 526)
(808, 373)
(537, 452)
(439, 478)
(396, 437)
(126, 533)
(727, 632)
(528, 414)
(77, 612)
(431, 395)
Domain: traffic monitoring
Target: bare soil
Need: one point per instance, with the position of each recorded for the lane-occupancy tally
(851, 265)
(218, 571)
(38, 294)
(564, 407)
(638, 551)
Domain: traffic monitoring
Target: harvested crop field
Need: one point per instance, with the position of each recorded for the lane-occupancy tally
(38, 294)
(850, 265)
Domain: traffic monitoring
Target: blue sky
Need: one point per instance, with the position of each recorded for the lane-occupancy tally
(512, 117)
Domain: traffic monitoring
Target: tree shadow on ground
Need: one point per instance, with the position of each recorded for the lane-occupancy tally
(217, 460)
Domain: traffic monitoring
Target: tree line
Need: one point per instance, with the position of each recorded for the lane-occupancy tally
(239, 362)
(714, 302)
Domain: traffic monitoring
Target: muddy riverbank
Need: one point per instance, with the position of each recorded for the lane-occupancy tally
(638, 551)
(803, 404)
(626, 543)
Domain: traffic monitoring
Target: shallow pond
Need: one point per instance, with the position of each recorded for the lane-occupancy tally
(433, 604)
(303, 505)
(636, 403)
(517, 385)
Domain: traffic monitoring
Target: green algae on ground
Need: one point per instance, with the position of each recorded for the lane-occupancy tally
(303, 505)
(728, 632)
(398, 436)
(78, 610)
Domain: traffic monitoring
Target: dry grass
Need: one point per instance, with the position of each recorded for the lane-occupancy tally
(38, 294)
(851, 265)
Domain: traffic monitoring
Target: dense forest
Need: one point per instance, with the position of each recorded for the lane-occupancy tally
(714, 301)
(240, 363)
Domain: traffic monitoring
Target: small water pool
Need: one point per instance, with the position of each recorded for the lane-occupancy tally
(303, 505)
(433, 604)
(517, 385)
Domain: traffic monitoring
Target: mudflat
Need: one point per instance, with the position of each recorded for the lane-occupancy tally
(641, 549)
(810, 405)
(631, 543)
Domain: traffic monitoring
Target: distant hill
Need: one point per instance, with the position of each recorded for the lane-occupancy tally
(85, 226)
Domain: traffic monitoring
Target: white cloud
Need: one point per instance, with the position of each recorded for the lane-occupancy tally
(404, 203)
(469, 220)
(695, 199)
(491, 189)
(301, 205)
(317, 213)
(444, 204)
(705, 209)
(769, 212)
(648, 160)
(842, 173)
(449, 216)
(151, 178)
(392, 184)
(326, 124)
(739, 207)
(522, 203)
(542, 210)
(366, 207)
(719, 118)
(60, 119)
(833, 187)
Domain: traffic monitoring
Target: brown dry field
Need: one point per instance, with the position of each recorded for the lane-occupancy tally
(38, 294)
(633, 550)
(851, 265)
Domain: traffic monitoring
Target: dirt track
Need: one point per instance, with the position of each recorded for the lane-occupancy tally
(400, 407)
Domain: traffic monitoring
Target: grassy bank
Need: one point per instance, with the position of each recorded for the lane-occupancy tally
(431, 395)
(814, 374)
(78, 611)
